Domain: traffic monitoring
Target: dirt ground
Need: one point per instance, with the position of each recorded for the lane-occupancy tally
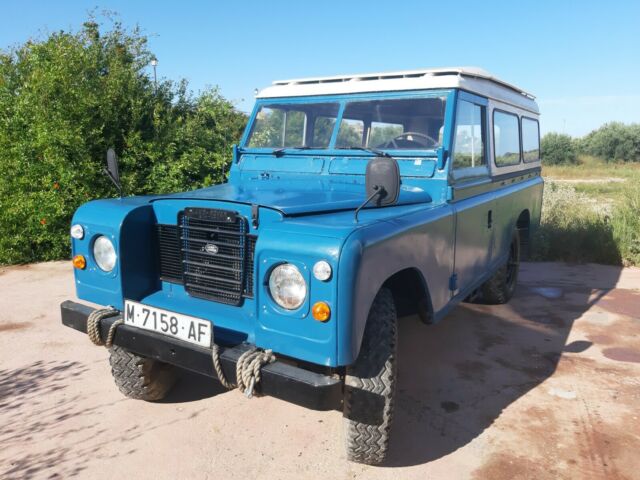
(546, 387)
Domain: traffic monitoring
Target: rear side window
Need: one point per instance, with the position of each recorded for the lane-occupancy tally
(468, 150)
(530, 140)
(506, 138)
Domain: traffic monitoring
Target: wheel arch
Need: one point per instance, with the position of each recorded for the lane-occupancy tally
(410, 296)
(410, 293)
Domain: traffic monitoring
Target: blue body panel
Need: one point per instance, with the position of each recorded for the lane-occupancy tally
(306, 202)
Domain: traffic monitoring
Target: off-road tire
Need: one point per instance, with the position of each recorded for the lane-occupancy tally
(139, 377)
(502, 285)
(370, 385)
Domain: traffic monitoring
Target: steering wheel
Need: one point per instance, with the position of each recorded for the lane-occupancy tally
(430, 142)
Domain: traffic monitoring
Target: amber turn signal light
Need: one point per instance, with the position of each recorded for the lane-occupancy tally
(321, 311)
(79, 262)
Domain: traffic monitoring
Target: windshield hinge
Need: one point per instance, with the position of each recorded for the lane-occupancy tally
(254, 216)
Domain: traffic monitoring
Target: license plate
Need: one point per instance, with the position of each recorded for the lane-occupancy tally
(190, 329)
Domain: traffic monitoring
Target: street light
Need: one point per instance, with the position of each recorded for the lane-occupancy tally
(154, 64)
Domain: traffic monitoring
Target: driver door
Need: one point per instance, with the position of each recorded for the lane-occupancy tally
(472, 196)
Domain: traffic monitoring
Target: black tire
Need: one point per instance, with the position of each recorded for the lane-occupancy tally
(139, 377)
(501, 287)
(370, 385)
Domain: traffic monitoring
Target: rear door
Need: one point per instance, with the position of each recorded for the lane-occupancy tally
(472, 196)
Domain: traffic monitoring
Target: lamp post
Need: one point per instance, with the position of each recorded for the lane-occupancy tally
(154, 64)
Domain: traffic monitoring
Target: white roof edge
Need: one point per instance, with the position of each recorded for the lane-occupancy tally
(472, 72)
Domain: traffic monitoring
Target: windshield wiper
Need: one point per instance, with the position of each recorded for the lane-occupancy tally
(380, 153)
(278, 152)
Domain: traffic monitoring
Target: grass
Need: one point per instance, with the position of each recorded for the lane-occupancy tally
(590, 213)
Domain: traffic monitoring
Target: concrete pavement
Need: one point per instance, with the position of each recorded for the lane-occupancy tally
(545, 387)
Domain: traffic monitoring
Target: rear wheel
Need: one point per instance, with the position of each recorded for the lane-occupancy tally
(370, 385)
(501, 287)
(139, 377)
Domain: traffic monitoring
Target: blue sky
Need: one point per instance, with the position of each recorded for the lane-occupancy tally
(580, 58)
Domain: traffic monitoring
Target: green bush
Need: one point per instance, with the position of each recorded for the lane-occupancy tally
(558, 149)
(63, 101)
(613, 142)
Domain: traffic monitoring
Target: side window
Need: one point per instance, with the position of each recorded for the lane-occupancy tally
(530, 140)
(350, 133)
(468, 150)
(506, 138)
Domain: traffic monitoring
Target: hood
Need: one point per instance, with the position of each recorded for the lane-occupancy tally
(296, 197)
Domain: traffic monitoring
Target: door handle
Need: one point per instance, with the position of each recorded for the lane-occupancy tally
(489, 218)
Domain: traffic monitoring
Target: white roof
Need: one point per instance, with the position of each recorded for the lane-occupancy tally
(473, 79)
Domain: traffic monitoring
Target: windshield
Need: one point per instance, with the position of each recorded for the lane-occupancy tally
(294, 125)
(398, 124)
(401, 124)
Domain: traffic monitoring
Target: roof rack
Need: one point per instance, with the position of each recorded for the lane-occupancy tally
(472, 72)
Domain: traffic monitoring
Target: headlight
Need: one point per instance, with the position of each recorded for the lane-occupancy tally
(322, 270)
(287, 286)
(77, 232)
(104, 253)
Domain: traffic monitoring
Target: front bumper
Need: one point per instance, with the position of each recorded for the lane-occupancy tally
(294, 384)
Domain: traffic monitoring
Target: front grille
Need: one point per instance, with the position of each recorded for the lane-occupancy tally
(210, 253)
(169, 253)
(248, 266)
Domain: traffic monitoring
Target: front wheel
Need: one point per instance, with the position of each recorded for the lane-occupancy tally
(139, 377)
(370, 385)
(501, 287)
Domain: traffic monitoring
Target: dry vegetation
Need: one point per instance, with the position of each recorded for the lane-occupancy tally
(591, 213)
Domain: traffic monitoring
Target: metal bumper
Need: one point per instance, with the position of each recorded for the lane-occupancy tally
(281, 380)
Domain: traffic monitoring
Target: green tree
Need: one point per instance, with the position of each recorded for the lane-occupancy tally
(68, 97)
(557, 149)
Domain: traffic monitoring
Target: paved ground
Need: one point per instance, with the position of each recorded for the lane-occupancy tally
(546, 387)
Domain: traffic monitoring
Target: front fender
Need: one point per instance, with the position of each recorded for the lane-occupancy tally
(128, 223)
(422, 240)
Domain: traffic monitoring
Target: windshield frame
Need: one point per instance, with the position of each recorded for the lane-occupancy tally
(342, 100)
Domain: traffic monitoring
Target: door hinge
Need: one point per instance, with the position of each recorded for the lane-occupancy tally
(453, 282)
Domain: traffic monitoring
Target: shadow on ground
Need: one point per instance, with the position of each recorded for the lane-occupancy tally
(22, 390)
(456, 377)
(193, 386)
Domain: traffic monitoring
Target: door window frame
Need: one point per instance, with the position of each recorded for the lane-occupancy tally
(458, 175)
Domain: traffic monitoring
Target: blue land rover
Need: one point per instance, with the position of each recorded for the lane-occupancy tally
(351, 201)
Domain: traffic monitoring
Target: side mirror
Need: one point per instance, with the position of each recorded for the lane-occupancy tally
(382, 180)
(112, 169)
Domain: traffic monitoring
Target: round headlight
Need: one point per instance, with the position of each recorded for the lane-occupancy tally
(287, 286)
(322, 270)
(104, 253)
(77, 232)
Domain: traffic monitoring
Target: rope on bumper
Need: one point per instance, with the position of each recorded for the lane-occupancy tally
(93, 326)
(215, 355)
(248, 368)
